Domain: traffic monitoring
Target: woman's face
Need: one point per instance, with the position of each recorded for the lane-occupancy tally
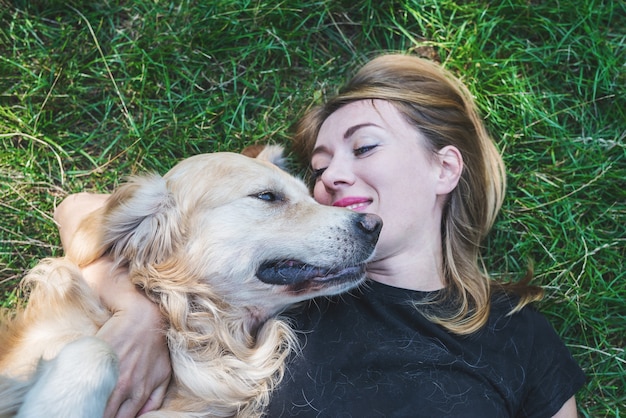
(368, 158)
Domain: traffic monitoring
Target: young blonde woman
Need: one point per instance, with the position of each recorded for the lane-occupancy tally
(430, 334)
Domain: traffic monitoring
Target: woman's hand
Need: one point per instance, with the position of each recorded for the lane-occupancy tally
(136, 333)
(135, 330)
(72, 210)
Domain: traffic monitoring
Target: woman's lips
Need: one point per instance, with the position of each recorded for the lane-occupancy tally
(353, 203)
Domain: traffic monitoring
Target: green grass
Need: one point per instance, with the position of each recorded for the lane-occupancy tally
(91, 92)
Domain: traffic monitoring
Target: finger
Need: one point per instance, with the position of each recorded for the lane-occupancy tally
(114, 404)
(129, 409)
(124, 403)
(156, 398)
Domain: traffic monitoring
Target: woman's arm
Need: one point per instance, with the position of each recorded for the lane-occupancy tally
(568, 410)
(135, 331)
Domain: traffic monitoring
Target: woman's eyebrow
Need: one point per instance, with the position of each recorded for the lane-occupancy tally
(351, 130)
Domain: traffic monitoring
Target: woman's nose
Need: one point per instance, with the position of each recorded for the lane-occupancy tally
(336, 174)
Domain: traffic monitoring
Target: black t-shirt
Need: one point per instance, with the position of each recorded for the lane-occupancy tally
(373, 354)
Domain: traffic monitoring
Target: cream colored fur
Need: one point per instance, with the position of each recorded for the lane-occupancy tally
(195, 240)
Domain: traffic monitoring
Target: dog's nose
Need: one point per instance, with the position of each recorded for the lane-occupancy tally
(369, 225)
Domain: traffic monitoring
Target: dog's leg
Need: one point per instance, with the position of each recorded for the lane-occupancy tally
(75, 384)
(12, 392)
(61, 308)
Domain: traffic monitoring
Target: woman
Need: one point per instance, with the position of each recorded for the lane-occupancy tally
(430, 334)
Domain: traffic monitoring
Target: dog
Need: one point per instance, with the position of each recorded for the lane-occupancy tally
(223, 243)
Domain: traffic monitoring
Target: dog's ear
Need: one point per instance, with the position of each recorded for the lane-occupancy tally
(140, 223)
(271, 153)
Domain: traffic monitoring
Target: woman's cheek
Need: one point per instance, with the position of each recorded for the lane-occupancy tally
(320, 194)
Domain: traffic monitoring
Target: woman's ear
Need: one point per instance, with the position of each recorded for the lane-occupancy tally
(451, 167)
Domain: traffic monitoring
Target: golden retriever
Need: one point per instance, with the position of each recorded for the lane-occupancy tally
(223, 243)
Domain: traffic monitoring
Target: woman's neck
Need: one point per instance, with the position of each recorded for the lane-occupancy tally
(417, 270)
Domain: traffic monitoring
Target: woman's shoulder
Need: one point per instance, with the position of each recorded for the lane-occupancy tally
(386, 313)
(528, 321)
(388, 303)
(364, 350)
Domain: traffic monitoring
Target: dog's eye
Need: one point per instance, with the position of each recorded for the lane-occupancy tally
(268, 196)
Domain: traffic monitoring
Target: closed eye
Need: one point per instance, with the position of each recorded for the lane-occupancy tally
(363, 150)
(315, 174)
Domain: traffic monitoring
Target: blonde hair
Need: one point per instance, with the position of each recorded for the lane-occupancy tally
(440, 107)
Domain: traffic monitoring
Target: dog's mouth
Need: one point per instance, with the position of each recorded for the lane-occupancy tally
(294, 273)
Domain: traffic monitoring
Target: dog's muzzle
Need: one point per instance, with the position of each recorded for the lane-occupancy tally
(366, 229)
(288, 272)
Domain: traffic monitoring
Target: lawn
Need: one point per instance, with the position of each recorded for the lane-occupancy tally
(91, 92)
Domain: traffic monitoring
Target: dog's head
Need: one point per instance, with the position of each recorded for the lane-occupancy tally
(241, 226)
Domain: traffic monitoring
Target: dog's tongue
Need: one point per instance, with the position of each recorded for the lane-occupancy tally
(289, 272)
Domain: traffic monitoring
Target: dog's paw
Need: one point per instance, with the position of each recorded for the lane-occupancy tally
(76, 383)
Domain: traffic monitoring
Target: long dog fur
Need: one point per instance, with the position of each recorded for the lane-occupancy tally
(227, 346)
